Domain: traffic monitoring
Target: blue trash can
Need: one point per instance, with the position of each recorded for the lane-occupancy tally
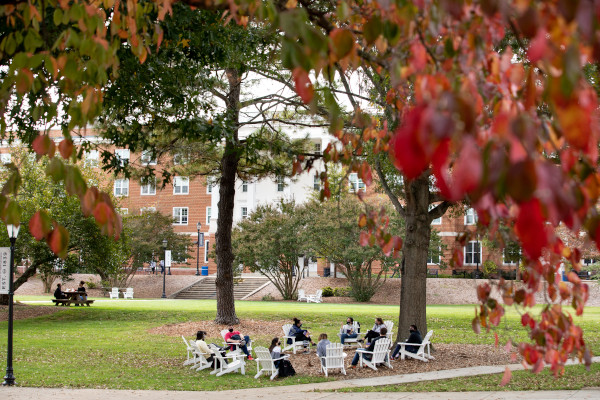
(204, 270)
(564, 277)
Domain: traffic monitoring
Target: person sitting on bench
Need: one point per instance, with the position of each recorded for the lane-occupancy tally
(58, 293)
(81, 292)
(415, 337)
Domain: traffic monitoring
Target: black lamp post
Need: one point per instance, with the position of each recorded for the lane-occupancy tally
(9, 379)
(198, 226)
(164, 243)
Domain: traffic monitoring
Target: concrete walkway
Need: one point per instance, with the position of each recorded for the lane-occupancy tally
(315, 390)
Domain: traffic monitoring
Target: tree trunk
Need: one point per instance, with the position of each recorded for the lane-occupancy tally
(229, 164)
(413, 295)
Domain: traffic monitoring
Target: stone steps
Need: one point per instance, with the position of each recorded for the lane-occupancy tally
(206, 289)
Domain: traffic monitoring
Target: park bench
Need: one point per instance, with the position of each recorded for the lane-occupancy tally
(68, 302)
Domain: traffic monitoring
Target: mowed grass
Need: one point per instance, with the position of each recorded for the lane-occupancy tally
(108, 345)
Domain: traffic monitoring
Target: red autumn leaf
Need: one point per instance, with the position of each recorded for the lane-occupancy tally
(43, 145)
(525, 319)
(418, 56)
(407, 152)
(467, 171)
(366, 174)
(342, 42)
(538, 46)
(362, 220)
(506, 377)
(39, 225)
(304, 86)
(65, 148)
(88, 203)
(483, 292)
(58, 240)
(476, 325)
(530, 228)
(496, 339)
(364, 238)
(102, 213)
(496, 314)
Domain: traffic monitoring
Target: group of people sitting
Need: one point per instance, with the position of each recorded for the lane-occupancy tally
(81, 293)
(349, 330)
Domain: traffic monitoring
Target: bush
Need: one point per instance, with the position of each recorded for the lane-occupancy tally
(341, 291)
(268, 297)
(489, 268)
(92, 285)
(327, 291)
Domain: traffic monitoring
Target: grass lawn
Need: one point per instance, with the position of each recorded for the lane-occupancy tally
(108, 345)
(576, 377)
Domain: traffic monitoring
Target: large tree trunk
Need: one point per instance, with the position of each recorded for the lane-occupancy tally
(229, 164)
(413, 295)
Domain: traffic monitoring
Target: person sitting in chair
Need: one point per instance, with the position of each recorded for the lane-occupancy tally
(322, 346)
(366, 356)
(301, 335)
(208, 353)
(235, 338)
(275, 350)
(415, 337)
(375, 331)
(347, 331)
(58, 293)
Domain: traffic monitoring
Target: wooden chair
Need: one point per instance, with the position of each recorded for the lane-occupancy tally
(265, 363)
(379, 355)
(302, 295)
(114, 293)
(200, 359)
(350, 341)
(315, 298)
(128, 293)
(420, 354)
(334, 358)
(286, 331)
(237, 363)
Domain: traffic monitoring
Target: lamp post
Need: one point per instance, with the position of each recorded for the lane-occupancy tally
(164, 270)
(198, 226)
(9, 379)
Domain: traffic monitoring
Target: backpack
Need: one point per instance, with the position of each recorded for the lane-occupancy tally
(286, 369)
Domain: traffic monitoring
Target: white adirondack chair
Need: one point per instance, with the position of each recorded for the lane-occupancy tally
(350, 341)
(128, 293)
(379, 355)
(114, 293)
(237, 363)
(315, 298)
(334, 358)
(265, 363)
(294, 345)
(302, 295)
(200, 358)
(420, 354)
(190, 352)
(389, 325)
(235, 346)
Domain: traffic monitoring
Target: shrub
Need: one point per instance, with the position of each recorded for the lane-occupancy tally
(341, 291)
(92, 285)
(327, 291)
(489, 268)
(268, 297)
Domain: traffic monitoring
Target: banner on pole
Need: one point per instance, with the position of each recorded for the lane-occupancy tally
(167, 258)
(4, 269)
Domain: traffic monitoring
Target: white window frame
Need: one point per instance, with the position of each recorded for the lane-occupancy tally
(465, 253)
(430, 261)
(317, 148)
(149, 188)
(209, 186)
(316, 182)
(244, 186)
(208, 215)
(147, 209)
(244, 212)
(179, 216)
(121, 187)
(122, 155)
(280, 184)
(437, 221)
(504, 261)
(147, 158)
(355, 184)
(206, 250)
(92, 158)
(183, 184)
(588, 261)
(470, 217)
(123, 211)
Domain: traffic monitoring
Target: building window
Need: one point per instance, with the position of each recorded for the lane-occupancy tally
(179, 159)
(589, 261)
(181, 185)
(317, 182)
(209, 186)
(280, 183)
(244, 186)
(121, 187)
(437, 221)
(511, 256)
(148, 188)
(123, 211)
(473, 253)
(208, 212)
(433, 257)
(122, 155)
(470, 217)
(206, 244)
(317, 148)
(355, 183)
(180, 215)
(148, 158)
(244, 212)
(146, 210)
(92, 158)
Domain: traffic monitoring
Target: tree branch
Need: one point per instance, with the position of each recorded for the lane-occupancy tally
(388, 191)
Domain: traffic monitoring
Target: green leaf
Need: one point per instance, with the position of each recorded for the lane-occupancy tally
(56, 169)
(372, 29)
